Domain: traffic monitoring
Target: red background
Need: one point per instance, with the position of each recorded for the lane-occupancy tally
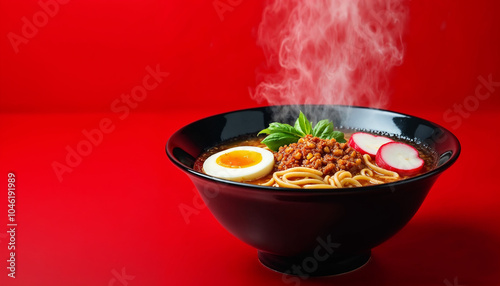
(115, 219)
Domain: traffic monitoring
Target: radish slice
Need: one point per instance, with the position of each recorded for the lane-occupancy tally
(367, 143)
(400, 158)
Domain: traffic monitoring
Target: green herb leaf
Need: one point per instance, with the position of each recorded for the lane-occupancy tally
(282, 128)
(323, 129)
(275, 140)
(264, 131)
(303, 125)
(339, 136)
(280, 134)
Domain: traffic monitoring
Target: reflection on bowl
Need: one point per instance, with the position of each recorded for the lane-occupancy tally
(311, 232)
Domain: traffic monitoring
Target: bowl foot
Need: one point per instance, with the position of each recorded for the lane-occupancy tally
(305, 266)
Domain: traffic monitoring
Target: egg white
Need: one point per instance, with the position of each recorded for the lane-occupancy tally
(254, 172)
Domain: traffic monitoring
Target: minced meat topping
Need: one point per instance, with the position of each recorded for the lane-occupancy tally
(325, 155)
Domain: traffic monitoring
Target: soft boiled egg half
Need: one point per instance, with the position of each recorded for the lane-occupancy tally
(244, 163)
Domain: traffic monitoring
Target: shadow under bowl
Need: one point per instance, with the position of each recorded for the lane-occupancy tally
(312, 232)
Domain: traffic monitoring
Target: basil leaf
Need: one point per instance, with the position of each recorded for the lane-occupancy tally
(303, 125)
(284, 128)
(275, 140)
(339, 136)
(280, 134)
(323, 129)
(264, 131)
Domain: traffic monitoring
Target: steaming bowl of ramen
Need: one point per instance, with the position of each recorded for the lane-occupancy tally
(330, 195)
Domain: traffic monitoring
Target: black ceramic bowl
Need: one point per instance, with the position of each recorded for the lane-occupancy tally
(311, 232)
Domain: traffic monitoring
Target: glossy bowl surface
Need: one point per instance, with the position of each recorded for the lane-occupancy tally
(320, 232)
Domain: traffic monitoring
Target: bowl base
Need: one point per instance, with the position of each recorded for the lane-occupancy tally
(305, 266)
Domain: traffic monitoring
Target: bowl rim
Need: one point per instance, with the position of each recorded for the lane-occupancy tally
(284, 190)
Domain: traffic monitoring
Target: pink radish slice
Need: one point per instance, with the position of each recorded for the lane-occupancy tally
(367, 143)
(400, 158)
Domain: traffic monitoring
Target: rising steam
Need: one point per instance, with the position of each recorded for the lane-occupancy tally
(330, 51)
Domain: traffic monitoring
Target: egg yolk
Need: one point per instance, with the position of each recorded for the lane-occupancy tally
(239, 159)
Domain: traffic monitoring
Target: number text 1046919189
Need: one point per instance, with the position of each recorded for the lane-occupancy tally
(12, 224)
